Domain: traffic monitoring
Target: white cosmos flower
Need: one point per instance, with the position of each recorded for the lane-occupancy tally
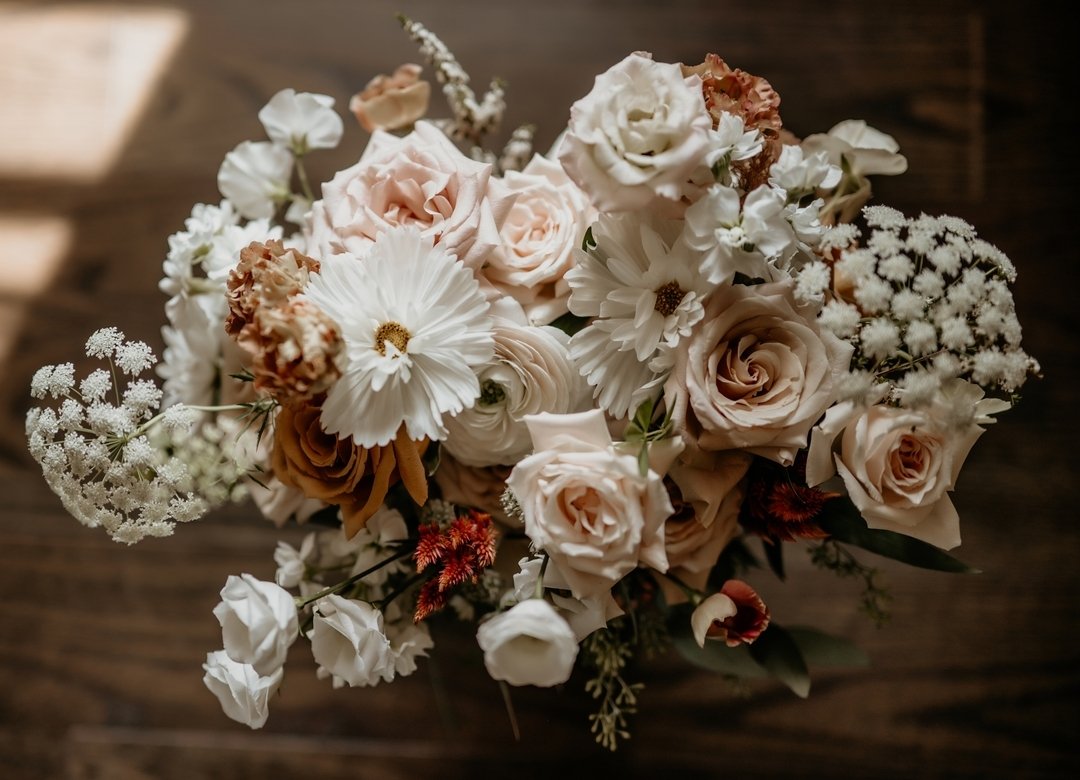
(415, 326)
(255, 177)
(646, 290)
(302, 121)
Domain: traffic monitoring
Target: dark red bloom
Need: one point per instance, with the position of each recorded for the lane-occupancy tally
(779, 505)
(734, 615)
(461, 550)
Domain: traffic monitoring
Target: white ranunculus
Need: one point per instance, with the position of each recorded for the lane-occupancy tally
(243, 694)
(638, 135)
(258, 622)
(255, 178)
(302, 121)
(530, 373)
(529, 644)
(587, 505)
(348, 642)
(897, 464)
(540, 235)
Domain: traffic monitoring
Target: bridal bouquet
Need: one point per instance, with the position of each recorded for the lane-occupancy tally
(574, 398)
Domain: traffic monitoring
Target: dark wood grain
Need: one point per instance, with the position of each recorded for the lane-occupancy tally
(101, 646)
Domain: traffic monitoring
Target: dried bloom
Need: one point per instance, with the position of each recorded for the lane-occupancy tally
(392, 102)
(733, 91)
(337, 471)
(461, 550)
(295, 350)
(779, 505)
(734, 615)
(266, 275)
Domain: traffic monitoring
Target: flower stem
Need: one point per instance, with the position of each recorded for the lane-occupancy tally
(401, 589)
(692, 594)
(540, 577)
(301, 603)
(305, 184)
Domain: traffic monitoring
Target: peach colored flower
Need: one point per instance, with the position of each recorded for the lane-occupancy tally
(734, 615)
(756, 374)
(421, 180)
(266, 275)
(472, 486)
(295, 350)
(337, 471)
(392, 102)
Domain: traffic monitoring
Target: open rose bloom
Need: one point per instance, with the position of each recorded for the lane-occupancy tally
(623, 371)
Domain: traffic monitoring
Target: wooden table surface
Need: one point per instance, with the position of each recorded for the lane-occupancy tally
(101, 645)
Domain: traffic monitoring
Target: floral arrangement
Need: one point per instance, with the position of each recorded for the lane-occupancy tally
(571, 397)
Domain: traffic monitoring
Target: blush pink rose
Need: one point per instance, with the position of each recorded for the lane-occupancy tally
(756, 374)
(420, 180)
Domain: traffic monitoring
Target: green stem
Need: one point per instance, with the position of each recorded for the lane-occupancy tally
(540, 578)
(301, 603)
(694, 595)
(305, 185)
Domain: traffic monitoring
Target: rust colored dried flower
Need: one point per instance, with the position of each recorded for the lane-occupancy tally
(461, 550)
(733, 91)
(336, 471)
(295, 349)
(392, 102)
(266, 275)
(779, 505)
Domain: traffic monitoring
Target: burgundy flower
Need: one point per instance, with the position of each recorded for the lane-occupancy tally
(734, 615)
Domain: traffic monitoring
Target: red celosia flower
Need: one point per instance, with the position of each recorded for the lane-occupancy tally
(779, 505)
(461, 550)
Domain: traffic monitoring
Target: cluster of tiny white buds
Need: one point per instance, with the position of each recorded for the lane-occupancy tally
(923, 300)
(518, 150)
(95, 449)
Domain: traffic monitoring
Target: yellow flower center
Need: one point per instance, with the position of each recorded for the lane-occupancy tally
(395, 333)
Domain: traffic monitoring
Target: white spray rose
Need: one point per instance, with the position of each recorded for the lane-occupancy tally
(348, 642)
(243, 694)
(529, 644)
(258, 622)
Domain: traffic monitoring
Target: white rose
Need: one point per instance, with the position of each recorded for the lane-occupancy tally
(588, 506)
(531, 373)
(348, 642)
(757, 374)
(258, 622)
(529, 644)
(243, 694)
(638, 135)
(546, 224)
(420, 180)
(899, 464)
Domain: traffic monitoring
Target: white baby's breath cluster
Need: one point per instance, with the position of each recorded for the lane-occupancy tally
(923, 300)
(94, 443)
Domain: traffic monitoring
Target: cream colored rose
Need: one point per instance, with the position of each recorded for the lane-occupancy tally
(899, 464)
(392, 102)
(639, 135)
(587, 505)
(540, 235)
(420, 180)
(530, 373)
(756, 375)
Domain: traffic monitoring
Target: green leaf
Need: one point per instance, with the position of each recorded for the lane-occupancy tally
(718, 657)
(570, 323)
(774, 555)
(588, 242)
(841, 520)
(777, 651)
(821, 649)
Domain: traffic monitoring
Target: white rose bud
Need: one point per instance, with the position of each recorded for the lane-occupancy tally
(348, 642)
(529, 644)
(243, 694)
(258, 622)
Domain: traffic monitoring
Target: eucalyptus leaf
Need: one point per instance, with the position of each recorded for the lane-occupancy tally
(841, 520)
(778, 652)
(718, 657)
(821, 649)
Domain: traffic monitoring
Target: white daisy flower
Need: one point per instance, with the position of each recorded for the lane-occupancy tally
(415, 326)
(646, 290)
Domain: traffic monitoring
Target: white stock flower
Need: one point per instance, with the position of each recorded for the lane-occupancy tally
(530, 373)
(415, 327)
(302, 121)
(349, 644)
(638, 135)
(255, 178)
(645, 290)
(258, 622)
(587, 505)
(244, 695)
(529, 644)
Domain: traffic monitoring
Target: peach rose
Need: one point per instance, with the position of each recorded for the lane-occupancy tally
(540, 236)
(899, 464)
(392, 102)
(420, 180)
(756, 374)
(472, 486)
(338, 472)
